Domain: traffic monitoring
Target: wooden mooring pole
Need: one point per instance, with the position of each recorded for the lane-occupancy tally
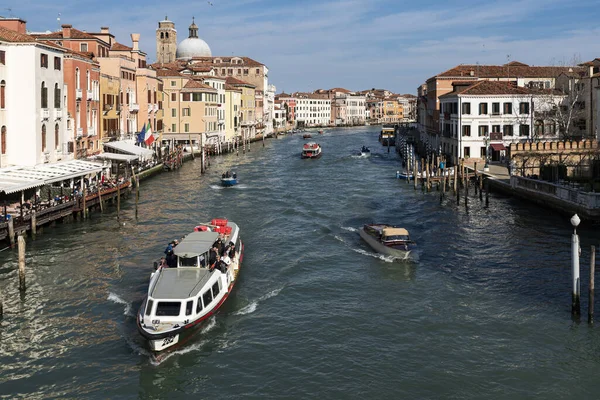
(11, 232)
(33, 224)
(591, 288)
(118, 198)
(480, 187)
(1, 305)
(84, 193)
(476, 178)
(575, 284)
(487, 192)
(21, 246)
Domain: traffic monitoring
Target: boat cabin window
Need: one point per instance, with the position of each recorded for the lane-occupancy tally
(396, 237)
(199, 305)
(188, 307)
(168, 308)
(215, 289)
(188, 262)
(207, 297)
(149, 307)
(203, 258)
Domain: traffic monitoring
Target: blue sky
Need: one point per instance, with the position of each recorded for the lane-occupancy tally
(355, 44)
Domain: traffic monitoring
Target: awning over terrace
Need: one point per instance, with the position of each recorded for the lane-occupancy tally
(128, 147)
(16, 179)
(117, 157)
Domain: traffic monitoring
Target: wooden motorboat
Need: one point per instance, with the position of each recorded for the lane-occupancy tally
(389, 239)
(229, 179)
(306, 136)
(180, 297)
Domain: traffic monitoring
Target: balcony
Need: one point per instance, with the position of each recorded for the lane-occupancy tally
(155, 107)
(91, 131)
(78, 94)
(90, 95)
(134, 107)
(79, 133)
(496, 136)
(107, 107)
(58, 114)
(45, 114)
(247, 123)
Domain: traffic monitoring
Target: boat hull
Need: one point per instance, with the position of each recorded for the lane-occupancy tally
(229, 182)
(380, 248)
(315, 156)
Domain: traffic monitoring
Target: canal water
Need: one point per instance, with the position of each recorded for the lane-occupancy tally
(484, 313)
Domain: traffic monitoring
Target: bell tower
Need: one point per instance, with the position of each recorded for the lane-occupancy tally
(166, 42)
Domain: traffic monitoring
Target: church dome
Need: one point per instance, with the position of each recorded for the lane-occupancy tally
(193, 46)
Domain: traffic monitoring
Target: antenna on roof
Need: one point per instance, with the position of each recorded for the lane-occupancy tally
(10, 14)
(58, 21)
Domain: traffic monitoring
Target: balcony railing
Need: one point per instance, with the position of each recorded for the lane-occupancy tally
(150, 108)
(133, 107)
(79, 132)
(107, 107)
(45, 114)
(58, 113)
(90, 95)
(155, 107)
(78, 94)
(91, 131)
(496, 136)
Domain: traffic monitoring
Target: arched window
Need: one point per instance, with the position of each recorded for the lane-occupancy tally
(56, 128)
(77, 76)
(166, 35)
(56, 96)
(87, 80)
(44, 137)
(44, 95)
(162, 35)
(3, 133)
(2, 94)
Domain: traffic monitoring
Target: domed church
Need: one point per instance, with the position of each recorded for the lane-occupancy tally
(189, 48)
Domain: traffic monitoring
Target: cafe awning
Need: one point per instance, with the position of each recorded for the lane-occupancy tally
(16, 179)
(117, 157)
(498, 146)
(128, 147)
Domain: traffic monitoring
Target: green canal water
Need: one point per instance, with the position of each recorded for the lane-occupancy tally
(484, 313)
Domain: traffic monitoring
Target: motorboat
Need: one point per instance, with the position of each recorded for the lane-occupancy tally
(387, 136)
(306, 136)
(193, 288)
(388, 239)
(364, 152)
(311, 150)
(229, 179)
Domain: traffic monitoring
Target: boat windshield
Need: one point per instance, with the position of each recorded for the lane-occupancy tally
(188, 262)
(395, 238)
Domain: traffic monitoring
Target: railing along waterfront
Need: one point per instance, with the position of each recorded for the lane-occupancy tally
(588, 200)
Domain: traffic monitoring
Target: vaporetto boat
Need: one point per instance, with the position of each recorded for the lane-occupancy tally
(180, 298)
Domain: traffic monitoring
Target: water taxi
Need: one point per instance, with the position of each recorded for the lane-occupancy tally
(388, 239)
(311, 150)
(229, 178)
(194, 287)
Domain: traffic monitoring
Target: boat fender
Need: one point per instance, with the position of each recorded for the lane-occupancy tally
(202, 228)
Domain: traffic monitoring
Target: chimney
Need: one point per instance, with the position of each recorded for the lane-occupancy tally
(66, 31)
(472, 73)
(104, 29)
(135, 38)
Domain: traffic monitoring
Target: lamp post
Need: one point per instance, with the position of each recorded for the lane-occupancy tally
(486, 141)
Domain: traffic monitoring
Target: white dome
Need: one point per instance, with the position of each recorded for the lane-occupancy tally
(192, 47)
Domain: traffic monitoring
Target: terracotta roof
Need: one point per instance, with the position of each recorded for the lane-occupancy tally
(592, 63)
(220, 78)
(75, 34)
(488, 88)
(226, 61)
(83, 54)
(233, 81)
(232, 88)
(282, 94)
(120, 47)
(512, 70)
(167, 72)
(8, 35)
(194, 84)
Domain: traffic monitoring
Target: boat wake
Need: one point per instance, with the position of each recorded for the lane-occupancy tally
(382, 257)
(116, 299)
(157, 359)
(250, 308)
(349, 229)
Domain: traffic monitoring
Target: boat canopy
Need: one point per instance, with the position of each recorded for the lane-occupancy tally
(195, 243)
(395, 232)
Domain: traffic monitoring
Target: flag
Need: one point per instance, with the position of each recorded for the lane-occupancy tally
(142, 135)
(149, 139)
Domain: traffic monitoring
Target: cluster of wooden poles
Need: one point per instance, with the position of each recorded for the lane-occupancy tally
(444, 182)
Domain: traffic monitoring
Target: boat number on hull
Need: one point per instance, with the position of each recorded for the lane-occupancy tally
(155, 321)
(168, 340)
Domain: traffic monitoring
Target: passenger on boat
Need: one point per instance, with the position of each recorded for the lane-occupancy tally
(212, 255)
(234, 175)
(162, 263)
(171, 259)
(231, 250)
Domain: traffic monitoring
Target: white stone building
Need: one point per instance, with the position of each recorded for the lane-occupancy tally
(480, 119)
(279, 115)
(32, 102)
(269, 108)
(312, 110)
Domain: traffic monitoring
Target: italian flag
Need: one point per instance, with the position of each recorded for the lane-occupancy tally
(149, 138)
